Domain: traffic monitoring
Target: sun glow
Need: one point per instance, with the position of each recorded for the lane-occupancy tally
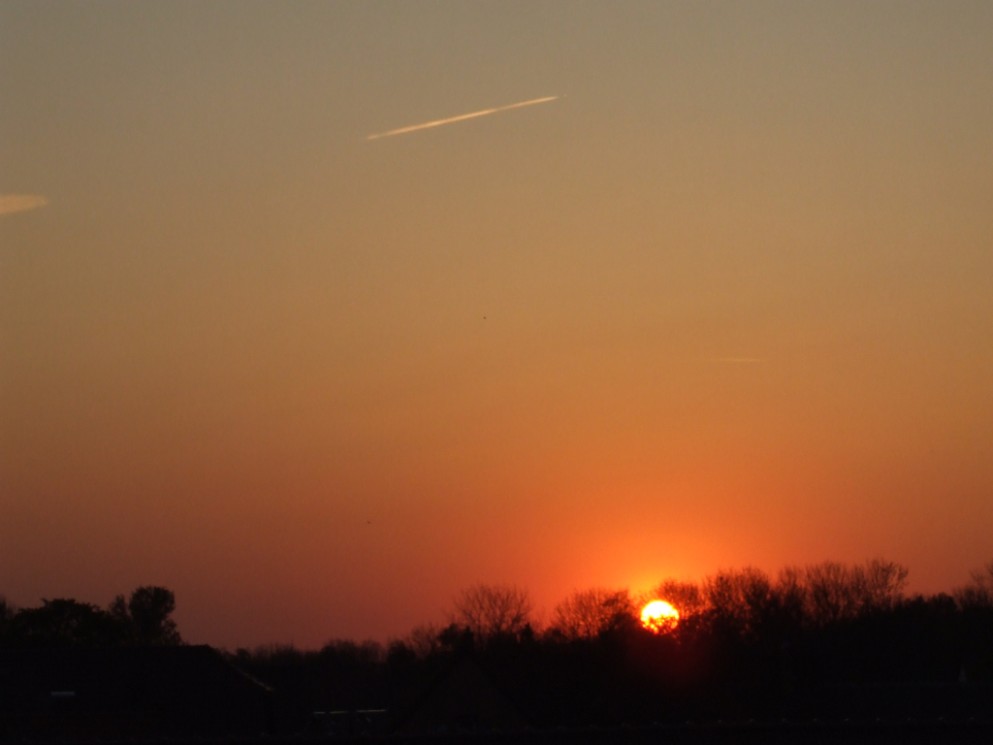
(659, 616)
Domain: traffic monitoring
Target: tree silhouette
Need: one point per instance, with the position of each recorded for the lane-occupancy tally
(64, 622)
(6, 616)
(589, 613)
(835, 591)
(144, 618)
(979, 592)
(491, 611)
(739, 602)
(879, 584)
(685, 596)
(829, 593)
(423, 640)
(149, 609)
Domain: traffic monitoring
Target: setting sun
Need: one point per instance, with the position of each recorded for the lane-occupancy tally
(659, 616)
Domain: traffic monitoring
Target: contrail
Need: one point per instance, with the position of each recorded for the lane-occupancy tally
(461, 117)
(11, 204)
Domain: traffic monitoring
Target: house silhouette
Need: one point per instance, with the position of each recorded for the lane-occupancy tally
(462, 699)
(128, 692)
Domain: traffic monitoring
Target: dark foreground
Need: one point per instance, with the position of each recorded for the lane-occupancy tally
(714, 733)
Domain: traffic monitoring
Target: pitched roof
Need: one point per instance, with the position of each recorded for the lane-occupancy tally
(128, 690)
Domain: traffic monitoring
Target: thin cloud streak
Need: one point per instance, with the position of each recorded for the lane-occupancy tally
(461, 118)
(11, 204)
(738, 360)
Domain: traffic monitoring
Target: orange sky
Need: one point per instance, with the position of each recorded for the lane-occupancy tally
(725, 301)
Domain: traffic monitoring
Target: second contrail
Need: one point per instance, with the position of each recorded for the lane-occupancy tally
(461, 118)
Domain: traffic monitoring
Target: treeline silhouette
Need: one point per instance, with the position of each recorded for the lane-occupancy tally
(819, 641)
(142, 618)
(829, 640)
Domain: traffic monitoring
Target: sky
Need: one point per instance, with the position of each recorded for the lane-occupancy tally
(724, 298)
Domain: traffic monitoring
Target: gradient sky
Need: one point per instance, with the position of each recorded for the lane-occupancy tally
(727, 301)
